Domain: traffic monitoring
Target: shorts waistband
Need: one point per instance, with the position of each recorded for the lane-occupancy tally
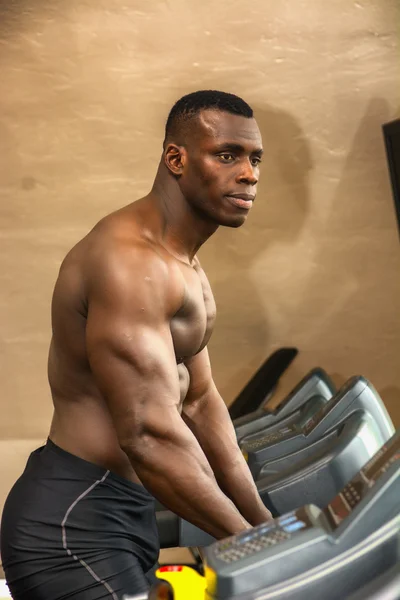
(94, 471)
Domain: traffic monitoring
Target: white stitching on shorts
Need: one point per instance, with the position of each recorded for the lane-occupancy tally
(64, 537)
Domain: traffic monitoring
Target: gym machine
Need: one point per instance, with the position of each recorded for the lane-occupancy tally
(347, 529)
(296, 479)
(277, 441)
(311, 553)
(314, 390)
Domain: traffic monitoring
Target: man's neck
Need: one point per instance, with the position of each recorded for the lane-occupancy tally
(184, 230)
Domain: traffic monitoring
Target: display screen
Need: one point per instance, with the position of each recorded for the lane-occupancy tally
(343, 504)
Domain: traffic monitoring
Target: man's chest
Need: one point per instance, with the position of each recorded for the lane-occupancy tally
(193, 324)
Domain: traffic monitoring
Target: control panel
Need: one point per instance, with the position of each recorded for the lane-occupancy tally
(263, 536)
(262, 440)
(351, 495)
(312, 402)
(356, 394)
(316, 383)
(270, 553)
(316, 419)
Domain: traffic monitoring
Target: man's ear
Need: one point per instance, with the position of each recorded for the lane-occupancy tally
(175, 158)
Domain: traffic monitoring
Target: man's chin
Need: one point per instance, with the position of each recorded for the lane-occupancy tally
(234, 222)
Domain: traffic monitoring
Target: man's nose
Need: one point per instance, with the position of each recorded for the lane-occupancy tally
(248, 173)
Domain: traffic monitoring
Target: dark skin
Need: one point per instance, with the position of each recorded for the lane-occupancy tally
(132, 314)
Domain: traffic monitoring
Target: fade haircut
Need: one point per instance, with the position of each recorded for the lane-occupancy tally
(187, 108)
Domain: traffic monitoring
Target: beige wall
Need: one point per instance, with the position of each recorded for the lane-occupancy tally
(85, 90)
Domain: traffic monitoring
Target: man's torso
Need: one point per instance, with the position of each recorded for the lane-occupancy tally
(82, 423)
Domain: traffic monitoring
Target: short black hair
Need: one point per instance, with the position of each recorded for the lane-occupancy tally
(189, 106)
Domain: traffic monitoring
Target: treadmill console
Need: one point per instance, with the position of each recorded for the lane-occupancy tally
(263, 536)
(316, 419)
(270, 553)
(269, 438)
(344, 503)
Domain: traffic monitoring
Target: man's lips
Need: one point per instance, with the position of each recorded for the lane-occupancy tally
(242, 200)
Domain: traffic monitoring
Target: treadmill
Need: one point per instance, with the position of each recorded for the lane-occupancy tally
(313, 553)
(316, 383)
(366, 565)
(339, 577)
(278, 441)
(374, 564)
(317, 475)
(297, 479)
(313, 391)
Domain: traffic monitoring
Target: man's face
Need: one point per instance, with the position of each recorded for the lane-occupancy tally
(221, 161)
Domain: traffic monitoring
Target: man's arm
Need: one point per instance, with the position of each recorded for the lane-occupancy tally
(207, 416)
(131, 299)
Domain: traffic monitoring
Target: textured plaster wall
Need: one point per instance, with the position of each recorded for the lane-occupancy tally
(85, 87)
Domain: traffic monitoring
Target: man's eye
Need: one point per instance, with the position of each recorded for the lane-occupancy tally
(256, 161)
(226, 157)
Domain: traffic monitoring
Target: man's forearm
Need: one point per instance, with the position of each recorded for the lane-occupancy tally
(213, 428)
(182, 480)
(237, 483)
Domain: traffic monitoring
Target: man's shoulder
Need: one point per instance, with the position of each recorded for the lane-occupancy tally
(120, 254)
(120, 241)
(111, 243)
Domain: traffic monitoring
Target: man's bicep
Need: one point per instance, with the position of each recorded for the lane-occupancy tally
(204, 404)
(133, 364)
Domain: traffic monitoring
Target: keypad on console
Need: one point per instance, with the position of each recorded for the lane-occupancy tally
(267, 439)
(351, 495)
(236, 550)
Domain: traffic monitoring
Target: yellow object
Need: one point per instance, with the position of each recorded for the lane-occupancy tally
(246, 455)
(187, 583)
(211, 580)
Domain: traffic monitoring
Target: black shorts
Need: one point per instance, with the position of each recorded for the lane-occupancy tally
(72, 530)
